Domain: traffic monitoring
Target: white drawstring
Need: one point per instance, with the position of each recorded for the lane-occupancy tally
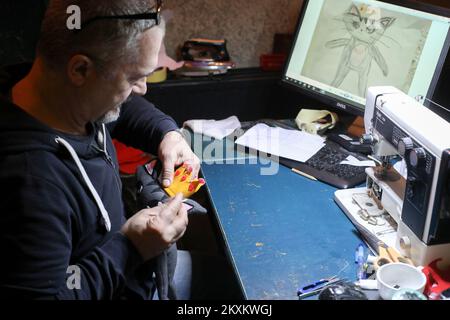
(104, 138)
(94, 193)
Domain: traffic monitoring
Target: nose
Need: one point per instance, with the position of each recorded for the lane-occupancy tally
(140, 87)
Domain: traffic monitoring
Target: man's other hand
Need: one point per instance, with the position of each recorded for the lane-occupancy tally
(154, 230)
(173, 152)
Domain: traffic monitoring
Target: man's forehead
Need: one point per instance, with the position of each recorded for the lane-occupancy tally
(152, 37)
(149, 46)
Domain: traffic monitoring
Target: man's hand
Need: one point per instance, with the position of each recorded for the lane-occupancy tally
(173, 152)
(154, 230)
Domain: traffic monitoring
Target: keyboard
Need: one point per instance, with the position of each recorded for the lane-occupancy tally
(325, 164)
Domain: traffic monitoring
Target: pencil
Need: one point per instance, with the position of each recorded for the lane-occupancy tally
(303, 174)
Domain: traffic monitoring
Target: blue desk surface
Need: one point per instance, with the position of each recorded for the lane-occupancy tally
(282, 231)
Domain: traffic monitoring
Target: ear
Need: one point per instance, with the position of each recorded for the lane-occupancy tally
(354, 10)
(386, 22)
(79, 69)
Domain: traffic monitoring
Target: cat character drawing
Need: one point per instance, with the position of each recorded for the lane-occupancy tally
(365, 26)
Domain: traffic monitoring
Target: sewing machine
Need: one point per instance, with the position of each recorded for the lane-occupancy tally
(408, 210)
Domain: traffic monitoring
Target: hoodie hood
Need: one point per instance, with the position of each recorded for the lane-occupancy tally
(20, 132)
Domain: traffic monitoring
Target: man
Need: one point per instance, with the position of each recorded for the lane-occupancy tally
(63, 233)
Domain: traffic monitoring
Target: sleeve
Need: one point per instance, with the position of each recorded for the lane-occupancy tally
(141, 125)
(36, 239)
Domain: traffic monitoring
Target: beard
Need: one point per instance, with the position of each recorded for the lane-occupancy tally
(114, 114)
(110, 116)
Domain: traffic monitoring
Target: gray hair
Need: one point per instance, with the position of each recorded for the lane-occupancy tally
(105, 41)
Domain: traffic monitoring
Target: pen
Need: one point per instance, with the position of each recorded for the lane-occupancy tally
(303, 174)
(316, 288)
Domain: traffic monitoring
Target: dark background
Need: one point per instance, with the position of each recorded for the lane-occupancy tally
(20, 22)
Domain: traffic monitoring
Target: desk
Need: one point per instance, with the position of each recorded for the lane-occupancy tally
(280, 231)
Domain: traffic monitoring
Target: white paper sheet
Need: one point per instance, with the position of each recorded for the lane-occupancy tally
(291, 144)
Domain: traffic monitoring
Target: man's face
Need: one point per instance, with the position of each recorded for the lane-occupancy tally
(129, 79)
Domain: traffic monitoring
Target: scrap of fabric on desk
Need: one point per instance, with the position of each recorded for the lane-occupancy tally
(351, 160)
(217, 129)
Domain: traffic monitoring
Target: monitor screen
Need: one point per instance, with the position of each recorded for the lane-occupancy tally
(342, 47)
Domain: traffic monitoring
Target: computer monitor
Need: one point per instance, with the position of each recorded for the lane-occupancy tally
(341, 47)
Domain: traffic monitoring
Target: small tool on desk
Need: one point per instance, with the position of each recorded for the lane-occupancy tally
(315, 288)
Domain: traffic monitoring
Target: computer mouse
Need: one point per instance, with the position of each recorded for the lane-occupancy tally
(342, 291)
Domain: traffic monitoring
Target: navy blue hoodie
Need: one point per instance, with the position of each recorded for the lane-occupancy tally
(51, 224)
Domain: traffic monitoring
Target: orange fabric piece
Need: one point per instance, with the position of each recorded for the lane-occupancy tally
(181, 183)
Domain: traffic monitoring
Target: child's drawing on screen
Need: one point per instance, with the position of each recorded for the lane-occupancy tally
(366, 27)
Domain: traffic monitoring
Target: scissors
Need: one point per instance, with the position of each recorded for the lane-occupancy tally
(387, 255)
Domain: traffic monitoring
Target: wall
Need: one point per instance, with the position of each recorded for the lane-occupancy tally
(247, 25)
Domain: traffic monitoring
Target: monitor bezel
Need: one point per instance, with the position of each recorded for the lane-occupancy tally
(353, 108)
